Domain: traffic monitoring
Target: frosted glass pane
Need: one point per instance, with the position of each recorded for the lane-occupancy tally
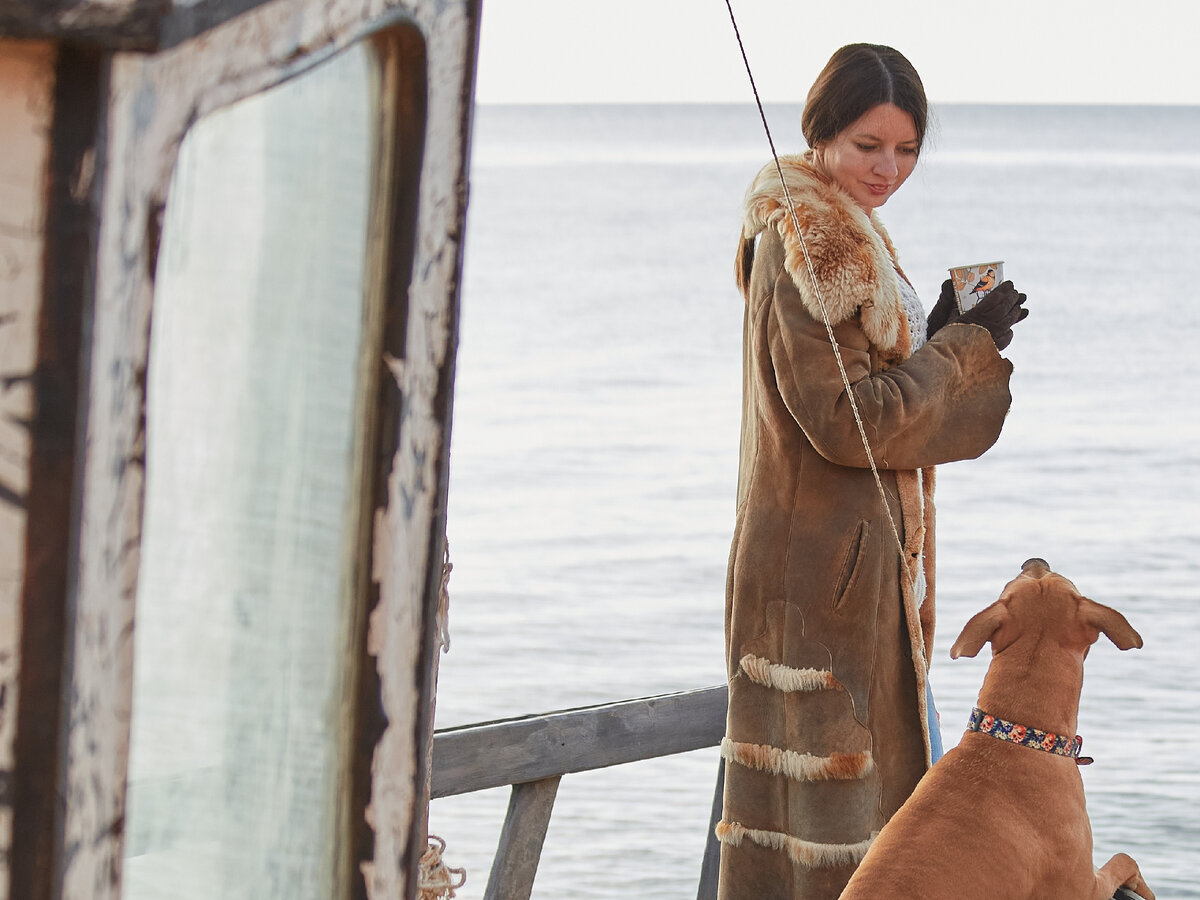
(243, 610)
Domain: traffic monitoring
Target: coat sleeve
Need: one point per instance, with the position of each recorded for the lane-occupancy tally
(946, 402)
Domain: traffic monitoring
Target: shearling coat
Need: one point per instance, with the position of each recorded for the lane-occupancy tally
(829, 613)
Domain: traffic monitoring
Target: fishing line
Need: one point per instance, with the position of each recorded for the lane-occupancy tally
(837, 350)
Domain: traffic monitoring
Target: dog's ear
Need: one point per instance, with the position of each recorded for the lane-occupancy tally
(1111, 623)
(979, 630)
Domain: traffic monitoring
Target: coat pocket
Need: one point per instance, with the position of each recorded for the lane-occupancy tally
(852, 563)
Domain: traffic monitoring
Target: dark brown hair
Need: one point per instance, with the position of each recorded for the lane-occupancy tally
(857, 78)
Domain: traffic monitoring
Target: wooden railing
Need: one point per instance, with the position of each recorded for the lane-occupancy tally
(532, 753)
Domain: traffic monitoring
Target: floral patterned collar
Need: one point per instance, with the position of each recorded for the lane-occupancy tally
(1012, 733)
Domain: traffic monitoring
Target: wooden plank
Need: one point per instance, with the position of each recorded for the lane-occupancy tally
(520, 850)
(112, 24)
(108, 523)
(139, 25)
(410, 523)
(26, 113)
(50, 503)
(530, 748)
(391, 244)
(185, 21)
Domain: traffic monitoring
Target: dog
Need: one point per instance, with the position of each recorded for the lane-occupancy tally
(1005, 818)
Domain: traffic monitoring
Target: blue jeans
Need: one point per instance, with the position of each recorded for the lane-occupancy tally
(935, 730)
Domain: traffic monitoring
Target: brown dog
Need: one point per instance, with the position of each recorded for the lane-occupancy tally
(1006, 819)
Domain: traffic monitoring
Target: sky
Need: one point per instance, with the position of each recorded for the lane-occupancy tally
(1021, 51)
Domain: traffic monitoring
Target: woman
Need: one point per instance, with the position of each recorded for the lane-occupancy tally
(829, 609)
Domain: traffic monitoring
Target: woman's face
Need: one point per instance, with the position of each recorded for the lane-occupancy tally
(872, 156)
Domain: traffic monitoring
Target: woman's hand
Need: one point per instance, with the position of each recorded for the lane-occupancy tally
(998, 312)
(942, 310)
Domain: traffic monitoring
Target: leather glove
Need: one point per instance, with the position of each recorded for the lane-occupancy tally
(998, 312)
(942, 310)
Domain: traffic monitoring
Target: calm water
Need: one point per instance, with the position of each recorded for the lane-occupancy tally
(595, 446)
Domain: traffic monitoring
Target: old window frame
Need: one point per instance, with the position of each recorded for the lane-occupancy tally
(116, 178)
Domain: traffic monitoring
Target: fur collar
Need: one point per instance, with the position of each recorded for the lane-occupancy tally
(852, 255)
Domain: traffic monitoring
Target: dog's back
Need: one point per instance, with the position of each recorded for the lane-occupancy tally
(982, 822)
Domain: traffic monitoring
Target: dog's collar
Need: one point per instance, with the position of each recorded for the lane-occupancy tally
(1012, 733)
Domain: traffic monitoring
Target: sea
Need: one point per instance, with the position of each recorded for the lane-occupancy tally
(595, 442)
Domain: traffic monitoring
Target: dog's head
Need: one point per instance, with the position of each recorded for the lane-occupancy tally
(1041, 603)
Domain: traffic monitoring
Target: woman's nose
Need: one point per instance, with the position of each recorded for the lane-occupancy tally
(886, 164)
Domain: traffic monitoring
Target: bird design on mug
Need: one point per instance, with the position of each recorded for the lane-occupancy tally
(986, 282)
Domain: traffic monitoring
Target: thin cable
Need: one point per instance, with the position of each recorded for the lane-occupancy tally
(837, 350)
